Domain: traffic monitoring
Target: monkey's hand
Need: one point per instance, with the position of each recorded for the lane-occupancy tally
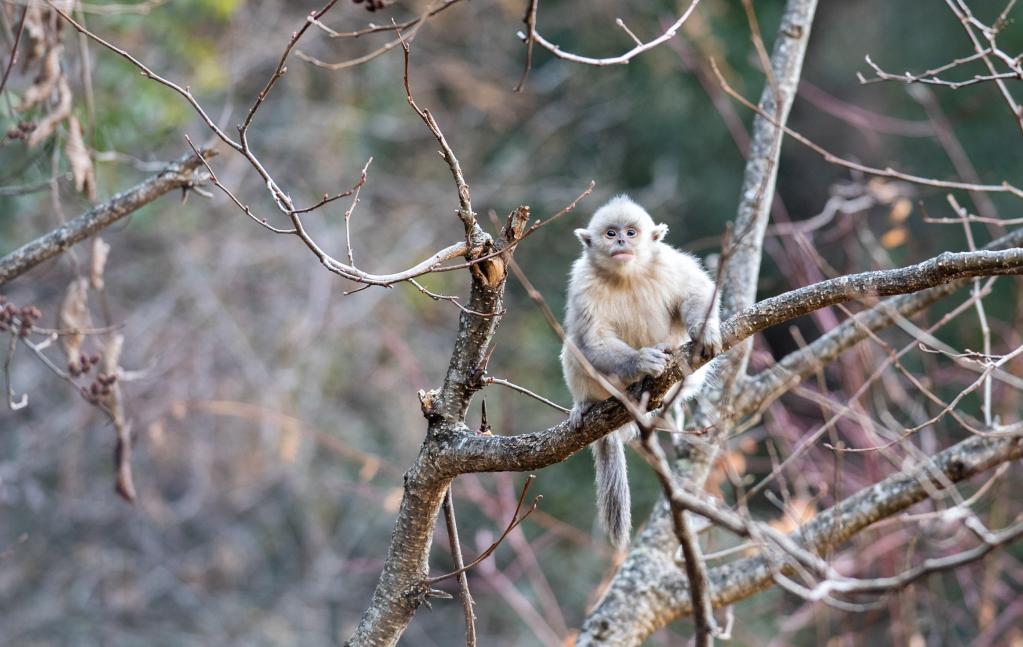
(651, 361)
(708, 344)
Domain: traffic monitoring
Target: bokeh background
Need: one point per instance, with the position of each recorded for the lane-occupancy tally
(274, 415)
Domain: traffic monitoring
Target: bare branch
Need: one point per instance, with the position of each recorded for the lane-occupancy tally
(793, 368)
(375, 29)
(463, 580)
(946, 268)
(537, 450)
(669, 33)
(180, 174)
(931, 76)
(663, 594)
(465, 213)
(530, 21)
(1004, 187)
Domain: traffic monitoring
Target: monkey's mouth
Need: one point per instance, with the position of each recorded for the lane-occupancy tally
(621, 255)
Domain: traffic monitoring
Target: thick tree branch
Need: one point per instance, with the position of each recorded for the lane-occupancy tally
(770, 384)
(403, 584)
(472, 453)
(181, 173)
(626, 616)
(947, 268)
(741, 260)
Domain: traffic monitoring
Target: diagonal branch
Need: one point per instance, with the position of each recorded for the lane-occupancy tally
(666, 591)
(540, 449)
(768, 385)
(179, 174)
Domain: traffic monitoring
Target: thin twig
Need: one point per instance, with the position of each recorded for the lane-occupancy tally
(530, 21)
(622, 59)
(465, 212)
(279, 71)
(374, 29)
(515, 521)
(1004, 187)
(524, 391)
(463, 580)
(532, 229)
(930, 77)
(14, 48)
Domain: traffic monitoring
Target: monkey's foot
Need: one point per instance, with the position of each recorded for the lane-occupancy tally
(575, 417)
(709, 345)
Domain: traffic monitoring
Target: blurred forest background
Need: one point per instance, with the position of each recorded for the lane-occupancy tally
(274, 416)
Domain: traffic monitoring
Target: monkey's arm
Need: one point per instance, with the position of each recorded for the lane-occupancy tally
(612, 356)
(699, 312)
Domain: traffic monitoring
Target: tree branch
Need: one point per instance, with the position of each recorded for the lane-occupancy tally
(537, 450)
(404, 583)
(771, 383)
(658, 597)
(180, 173)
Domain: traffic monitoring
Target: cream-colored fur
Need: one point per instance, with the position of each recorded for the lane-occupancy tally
(630, 296)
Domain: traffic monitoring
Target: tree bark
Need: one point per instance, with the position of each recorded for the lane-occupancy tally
(180, 173)
(654, 592)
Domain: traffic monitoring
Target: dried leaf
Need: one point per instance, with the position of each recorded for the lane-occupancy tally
(901, 210)
(894, 237)
(734, 462)
(48, 124)
(392, 501)
(290, 441)
(74, 317)
(798, 511)
(100, 253)
(369, 469)
(44, 83)
(888, 191)
(81, 163)
(125, 483)
(35, 35)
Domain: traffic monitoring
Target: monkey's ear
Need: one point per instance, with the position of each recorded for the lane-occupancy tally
(584, 237)
(659, 231)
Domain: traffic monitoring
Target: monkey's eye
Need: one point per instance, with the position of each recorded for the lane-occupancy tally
(610, 233)
(630, 232)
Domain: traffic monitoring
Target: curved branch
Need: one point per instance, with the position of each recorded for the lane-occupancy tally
(669, 33)
(768, 385)
(180, 173)
(538, 450)
(423, 267)
(945, 268)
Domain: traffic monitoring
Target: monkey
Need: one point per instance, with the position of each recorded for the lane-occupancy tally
(631, 297)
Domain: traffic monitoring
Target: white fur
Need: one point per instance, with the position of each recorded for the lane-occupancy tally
(630, 295)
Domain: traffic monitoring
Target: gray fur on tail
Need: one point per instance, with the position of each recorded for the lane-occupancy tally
(613, 503)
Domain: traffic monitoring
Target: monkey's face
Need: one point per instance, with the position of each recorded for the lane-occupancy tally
(621, 240)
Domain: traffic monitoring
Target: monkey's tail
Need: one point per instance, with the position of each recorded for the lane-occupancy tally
(613, 502)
